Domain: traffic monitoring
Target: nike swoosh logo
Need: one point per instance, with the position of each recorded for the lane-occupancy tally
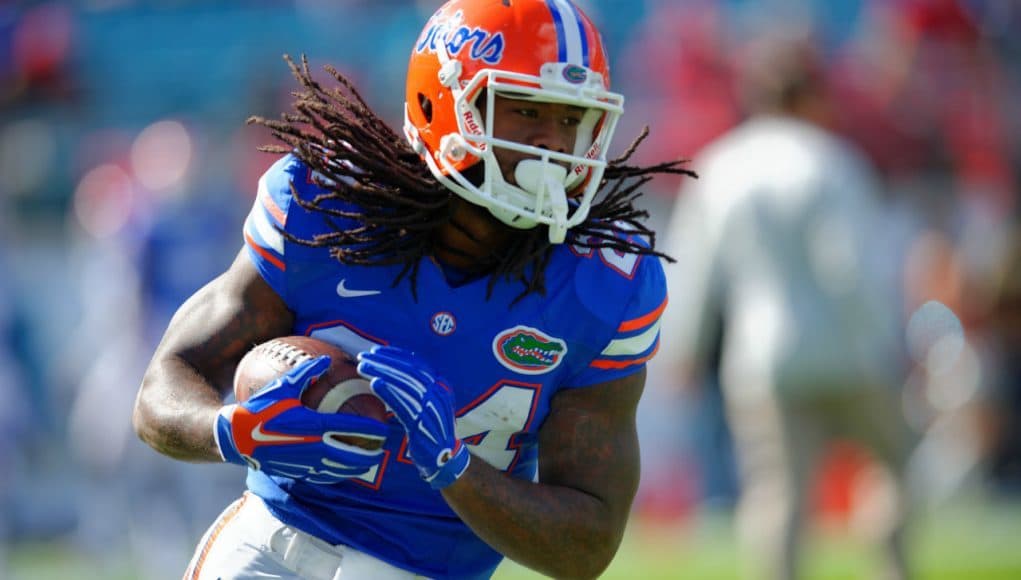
(345, 292)
(263, 437)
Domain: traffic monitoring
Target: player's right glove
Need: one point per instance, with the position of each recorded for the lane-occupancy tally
(275, 433)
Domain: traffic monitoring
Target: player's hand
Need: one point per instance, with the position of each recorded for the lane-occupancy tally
(275, 433)
(423, 405)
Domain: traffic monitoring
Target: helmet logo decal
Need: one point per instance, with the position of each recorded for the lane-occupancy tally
(592, 153)
(528, 350)
(575, 74)
(455, 36)
(470, 124)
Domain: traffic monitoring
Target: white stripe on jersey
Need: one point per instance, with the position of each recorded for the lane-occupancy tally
(263, 190)
(263, 196)
(259, 219)
(634, 345)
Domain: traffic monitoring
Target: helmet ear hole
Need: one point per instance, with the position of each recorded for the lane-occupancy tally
(427, 107)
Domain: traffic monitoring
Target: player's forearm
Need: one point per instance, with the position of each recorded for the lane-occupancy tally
(558, 531)
(193, 367)
(175, 419)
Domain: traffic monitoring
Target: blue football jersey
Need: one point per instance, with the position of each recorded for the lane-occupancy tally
(598, 321)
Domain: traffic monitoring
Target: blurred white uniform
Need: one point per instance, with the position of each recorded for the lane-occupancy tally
(781, 233)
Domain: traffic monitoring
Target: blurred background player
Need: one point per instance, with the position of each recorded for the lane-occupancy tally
(781, 239)
(471, 267)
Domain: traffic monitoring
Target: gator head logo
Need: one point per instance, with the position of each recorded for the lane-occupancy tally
(529, 351)
(574, 74)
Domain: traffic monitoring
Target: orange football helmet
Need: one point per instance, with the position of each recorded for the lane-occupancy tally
(538, 50)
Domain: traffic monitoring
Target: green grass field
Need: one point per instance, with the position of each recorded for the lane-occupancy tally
(972, 541)
(965, 542)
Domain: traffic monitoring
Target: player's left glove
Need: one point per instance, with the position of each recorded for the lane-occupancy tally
(423, 405)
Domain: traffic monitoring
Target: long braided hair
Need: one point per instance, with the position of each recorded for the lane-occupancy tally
(388, 191)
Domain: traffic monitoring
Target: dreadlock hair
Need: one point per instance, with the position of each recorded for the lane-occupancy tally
(384, 186)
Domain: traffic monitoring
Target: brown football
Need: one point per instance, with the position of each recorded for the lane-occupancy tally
(339, 390)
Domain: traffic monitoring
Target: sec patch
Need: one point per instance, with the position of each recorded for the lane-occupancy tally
(443, 323)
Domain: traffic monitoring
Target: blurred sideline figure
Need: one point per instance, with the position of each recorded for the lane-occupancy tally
(143, 505)
(780, 237)
(14, 421)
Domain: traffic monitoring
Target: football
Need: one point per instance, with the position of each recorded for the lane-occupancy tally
(339, 390)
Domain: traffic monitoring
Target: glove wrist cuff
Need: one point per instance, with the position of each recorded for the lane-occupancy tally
(224, 436)
(453, 469)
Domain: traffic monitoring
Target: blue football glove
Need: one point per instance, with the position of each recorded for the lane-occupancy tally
(425, 408)
(275, 433)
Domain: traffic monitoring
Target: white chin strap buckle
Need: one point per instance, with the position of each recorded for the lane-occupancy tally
(546, 180)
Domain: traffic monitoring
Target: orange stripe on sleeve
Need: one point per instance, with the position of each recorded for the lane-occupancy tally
(642, 321)
(621, 364)
(264, 253)
(272, 207)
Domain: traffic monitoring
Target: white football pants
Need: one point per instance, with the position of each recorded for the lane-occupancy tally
(247, 541)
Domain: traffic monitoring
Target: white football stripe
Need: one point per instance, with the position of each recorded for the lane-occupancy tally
(634, 345)
(335, 398)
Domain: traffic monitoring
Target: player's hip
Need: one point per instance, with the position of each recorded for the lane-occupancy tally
(247, 540)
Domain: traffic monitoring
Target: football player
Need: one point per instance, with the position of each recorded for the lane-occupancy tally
(501, 311)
